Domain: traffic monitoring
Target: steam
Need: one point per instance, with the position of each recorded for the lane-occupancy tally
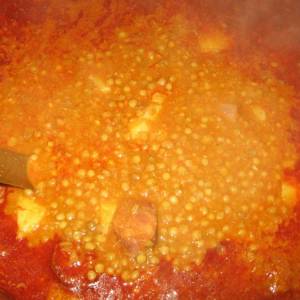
(279, 22)
(272, 23)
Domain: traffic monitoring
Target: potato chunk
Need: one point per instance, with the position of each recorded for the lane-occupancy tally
(29, 215)
(135, 224)
(229, 111)
(141, 126)
(107, 211)
(259, 113)
(214, 42)
(288, 193)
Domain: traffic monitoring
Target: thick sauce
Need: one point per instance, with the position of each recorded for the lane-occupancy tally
(159, 164)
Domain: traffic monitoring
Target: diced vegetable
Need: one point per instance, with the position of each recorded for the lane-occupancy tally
(259, 113)
(229, 111)
(141, 126)
(288, 193)
(29, 216)
(135, 224)
(107, 212)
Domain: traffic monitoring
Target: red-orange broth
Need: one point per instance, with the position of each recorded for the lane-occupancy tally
(164, 152)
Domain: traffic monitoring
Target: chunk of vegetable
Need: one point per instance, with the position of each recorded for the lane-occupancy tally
(229, 111)
(135, 224)
(259, 113)
(29, 215)
(213, 42)
(139, 127)
(288, 193)
(107, 212)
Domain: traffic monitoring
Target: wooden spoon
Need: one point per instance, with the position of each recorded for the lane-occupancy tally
(14, 169)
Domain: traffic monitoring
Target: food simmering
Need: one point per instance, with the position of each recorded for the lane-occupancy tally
(150, 146)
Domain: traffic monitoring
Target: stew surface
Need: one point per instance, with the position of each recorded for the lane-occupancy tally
(164, 154)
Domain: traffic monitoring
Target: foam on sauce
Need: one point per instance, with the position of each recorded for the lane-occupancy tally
(146, 119)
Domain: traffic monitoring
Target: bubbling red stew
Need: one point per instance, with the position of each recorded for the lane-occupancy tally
(163, 151)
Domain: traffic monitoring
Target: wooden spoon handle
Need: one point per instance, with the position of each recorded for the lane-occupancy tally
(14, 169)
